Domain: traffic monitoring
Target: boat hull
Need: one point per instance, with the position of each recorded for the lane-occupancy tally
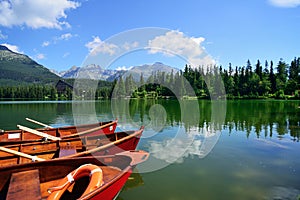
(116, 170)
(108, 144)
(20, 136)
(112, 191)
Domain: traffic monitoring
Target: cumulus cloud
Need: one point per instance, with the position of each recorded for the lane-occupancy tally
(98, 46)
(285, 3)
(13, 48)
(176, 43)
(36, 14)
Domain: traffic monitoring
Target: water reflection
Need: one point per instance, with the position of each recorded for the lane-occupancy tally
(174, 149)
(280, 192)
(260, 117)
(13, 113)
(195, 142)
(264, 118)
(135, 180)
(256, 157)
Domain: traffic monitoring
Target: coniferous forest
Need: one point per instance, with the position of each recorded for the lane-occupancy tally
(254, 81)
(261, 80)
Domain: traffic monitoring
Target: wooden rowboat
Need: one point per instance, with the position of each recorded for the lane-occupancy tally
(70, 177)
(72, 147)
(26, 134)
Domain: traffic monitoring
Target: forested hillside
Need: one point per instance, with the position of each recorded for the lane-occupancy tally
(19, 69)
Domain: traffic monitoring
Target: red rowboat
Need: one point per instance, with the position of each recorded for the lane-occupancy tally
(72, 147)
(100, 177)
(26, 135)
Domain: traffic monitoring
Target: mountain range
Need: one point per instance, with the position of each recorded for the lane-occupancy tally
(98, 73)
(92, 71)
(19, 69)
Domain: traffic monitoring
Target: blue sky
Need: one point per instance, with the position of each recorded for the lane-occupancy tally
(62, 33)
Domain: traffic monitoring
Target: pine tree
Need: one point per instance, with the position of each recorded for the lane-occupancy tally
(281, 76)
(249, 68)
(142, 83)
(258, 69)
(292, 84)
(294, 70)
(272, 78)
(129, 84)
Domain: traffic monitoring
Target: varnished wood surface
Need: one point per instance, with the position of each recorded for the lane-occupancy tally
(66, 147)
(19, 136)
(34, 179)
(24, 185)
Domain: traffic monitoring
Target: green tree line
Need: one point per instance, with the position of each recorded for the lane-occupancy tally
(48, 92)
(31, 92)
(267, 80)
(259, 81)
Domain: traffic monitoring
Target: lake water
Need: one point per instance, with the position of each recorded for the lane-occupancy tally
(199, 149)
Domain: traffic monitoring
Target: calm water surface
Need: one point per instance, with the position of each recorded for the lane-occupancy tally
(243, 150)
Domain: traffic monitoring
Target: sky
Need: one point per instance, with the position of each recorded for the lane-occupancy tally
(119, 34)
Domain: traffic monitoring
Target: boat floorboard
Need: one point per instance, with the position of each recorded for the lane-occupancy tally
(24, 185)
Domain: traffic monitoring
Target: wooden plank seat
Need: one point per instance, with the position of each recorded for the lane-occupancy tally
(24, 185)
(67, 151)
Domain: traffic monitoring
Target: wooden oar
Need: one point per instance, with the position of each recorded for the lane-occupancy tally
(65, 136)
(104, 146)
(33, 158)
(88, 131)
(50, 137)
(39, 123)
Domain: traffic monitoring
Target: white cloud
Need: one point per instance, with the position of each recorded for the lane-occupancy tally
(97, 46)
(13, 48)
(66, 36)
(36, 14)
(54, 40)
(198, 40)
(40, 56)
(176, 43)
(45, 44)
(127, 46)
(285, 3)
(123, 68)
(2, 36)
(202, 61)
